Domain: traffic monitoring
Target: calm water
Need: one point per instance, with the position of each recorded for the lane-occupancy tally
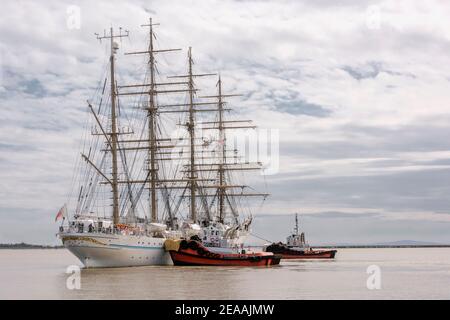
(405, 274)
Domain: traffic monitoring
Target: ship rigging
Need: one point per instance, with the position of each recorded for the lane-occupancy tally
(130, 153)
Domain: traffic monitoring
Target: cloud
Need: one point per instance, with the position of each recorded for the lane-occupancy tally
(362, 112)
(297, 106)
(370, 70)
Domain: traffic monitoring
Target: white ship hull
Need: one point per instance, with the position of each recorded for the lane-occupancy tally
(97, 250)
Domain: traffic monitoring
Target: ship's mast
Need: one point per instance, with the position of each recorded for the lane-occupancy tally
(222, 153)
(115, 189)
(192, 108)
(114, 133)
(223, 166)
(151, 127)
(152, 89)
(191, 130)
(296, 224)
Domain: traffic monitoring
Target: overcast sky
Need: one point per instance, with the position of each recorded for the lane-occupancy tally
(359, 91)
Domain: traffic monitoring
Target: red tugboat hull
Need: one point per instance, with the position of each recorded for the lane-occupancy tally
(314, 254)
(193, 253)
(290, 253)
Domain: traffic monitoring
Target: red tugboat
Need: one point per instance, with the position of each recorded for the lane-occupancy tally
(297, 248)
(194, 253)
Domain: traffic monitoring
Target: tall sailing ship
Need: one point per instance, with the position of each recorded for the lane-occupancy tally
(138, 186)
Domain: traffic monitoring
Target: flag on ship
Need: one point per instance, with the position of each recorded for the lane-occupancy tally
(61, 213)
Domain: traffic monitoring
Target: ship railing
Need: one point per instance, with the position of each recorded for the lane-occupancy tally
(79, 228)
(83, 229)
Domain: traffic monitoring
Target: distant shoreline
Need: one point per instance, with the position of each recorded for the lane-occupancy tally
(27, 246)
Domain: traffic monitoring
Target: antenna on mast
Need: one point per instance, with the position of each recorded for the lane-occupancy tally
(110, 36)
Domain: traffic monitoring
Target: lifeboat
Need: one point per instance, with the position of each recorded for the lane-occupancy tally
(194, 253)
(294, 253)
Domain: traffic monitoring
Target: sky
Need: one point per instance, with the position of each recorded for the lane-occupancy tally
(358, 91)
